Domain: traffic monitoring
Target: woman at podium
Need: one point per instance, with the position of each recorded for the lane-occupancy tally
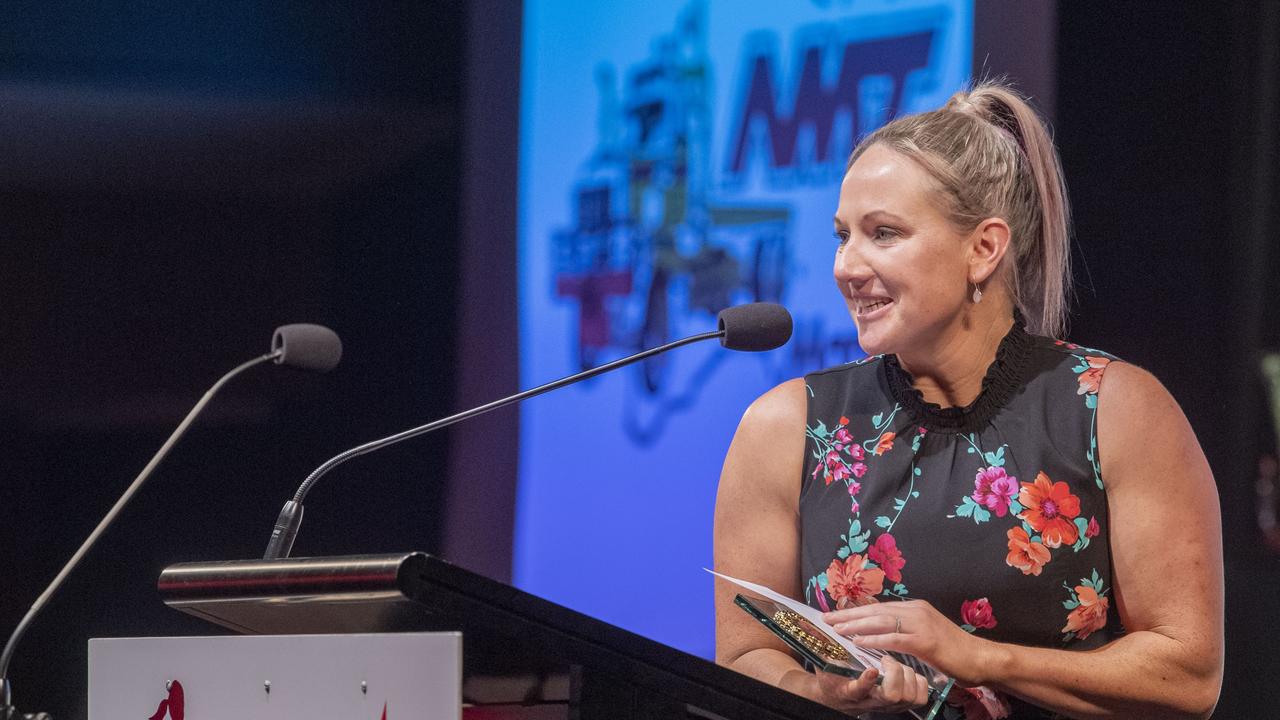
(1030, 517)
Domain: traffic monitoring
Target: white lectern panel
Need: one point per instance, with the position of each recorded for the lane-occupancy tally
(394, 676)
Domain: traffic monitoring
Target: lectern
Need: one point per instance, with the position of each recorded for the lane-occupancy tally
(523, 657)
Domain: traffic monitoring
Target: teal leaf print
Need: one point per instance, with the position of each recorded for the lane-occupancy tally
(900, 589)
(1015, 507)
(875, 419)
(969, 508)
(858, 539)
(821, 430)
(883, 521)
(898, 503)
(843, 552)
(917, 474)
(915, 493)
(1091, 401)
(995, 459)
(822, 580)
(1083, 526)
(915, 441)
(968, 628)
(1095, 583)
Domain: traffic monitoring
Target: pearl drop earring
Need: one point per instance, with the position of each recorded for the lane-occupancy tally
(977, 294)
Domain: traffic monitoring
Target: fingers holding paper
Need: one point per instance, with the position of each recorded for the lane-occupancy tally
(915, 627)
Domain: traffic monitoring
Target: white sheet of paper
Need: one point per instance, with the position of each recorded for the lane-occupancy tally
(811, 614)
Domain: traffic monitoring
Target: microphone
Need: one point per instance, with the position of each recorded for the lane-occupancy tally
(302, 346)
(306, 347)
(753, 327)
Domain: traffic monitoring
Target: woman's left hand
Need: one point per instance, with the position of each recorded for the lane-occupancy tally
(914, 627)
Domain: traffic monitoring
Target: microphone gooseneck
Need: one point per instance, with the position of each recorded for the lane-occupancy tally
(315, 351)
(753, 327)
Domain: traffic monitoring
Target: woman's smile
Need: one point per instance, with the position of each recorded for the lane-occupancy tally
(870, 307)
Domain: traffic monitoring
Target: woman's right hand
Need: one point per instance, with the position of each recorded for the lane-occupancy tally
(901, 690)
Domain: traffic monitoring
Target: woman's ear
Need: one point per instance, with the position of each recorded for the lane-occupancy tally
(987, 246)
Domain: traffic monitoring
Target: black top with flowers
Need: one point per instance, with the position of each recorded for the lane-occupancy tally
(995, 513)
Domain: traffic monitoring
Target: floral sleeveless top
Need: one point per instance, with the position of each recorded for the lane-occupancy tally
(996, 513)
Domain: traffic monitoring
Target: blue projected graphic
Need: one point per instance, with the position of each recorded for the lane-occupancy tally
(678, 157)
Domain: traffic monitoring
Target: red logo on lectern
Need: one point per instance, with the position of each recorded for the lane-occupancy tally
(170, 707)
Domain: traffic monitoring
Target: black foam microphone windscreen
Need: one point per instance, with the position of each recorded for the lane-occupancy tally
(755, 327)
(307, 346)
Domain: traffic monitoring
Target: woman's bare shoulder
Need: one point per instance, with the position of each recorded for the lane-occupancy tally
(783, 407)
(1141, 428)
(768, 448)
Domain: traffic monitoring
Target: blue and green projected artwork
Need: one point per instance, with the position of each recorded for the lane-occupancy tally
(676, 158)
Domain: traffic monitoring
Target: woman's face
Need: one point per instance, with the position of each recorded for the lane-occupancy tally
(901, 266)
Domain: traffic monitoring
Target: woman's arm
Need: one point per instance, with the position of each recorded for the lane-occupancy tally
(1166, 553)
(757, 538)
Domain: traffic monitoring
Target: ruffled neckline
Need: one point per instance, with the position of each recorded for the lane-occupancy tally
(1004, 378)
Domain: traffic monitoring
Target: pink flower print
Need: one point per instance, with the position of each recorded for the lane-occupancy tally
(854, 487)
(854, 510)
(994, 489)
(885, 553)
(859, 469)
(978, 614)
(1093, 529)
(843, 439)
(836, 468)
(856, 452)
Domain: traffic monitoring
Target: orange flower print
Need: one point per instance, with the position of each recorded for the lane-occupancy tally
(1089, 615)
(1050, 509)
(1029, 557)
(851, 584)
(884, 444)
(1091, 379)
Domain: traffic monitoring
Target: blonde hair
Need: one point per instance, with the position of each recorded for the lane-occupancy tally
(992, 156)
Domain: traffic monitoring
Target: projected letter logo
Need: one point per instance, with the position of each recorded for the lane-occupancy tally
(868, 86)
(659, 243)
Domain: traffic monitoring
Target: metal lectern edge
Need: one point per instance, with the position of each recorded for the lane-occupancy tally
(402, 591)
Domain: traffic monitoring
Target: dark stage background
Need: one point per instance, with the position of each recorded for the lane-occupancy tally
(174, 183)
